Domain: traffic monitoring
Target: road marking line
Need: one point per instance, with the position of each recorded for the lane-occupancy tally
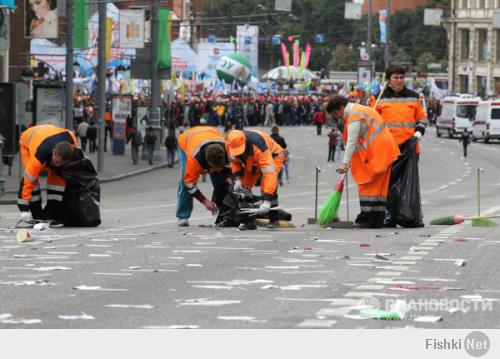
(370, 287)
(317, 323)
(412, 258)
(388, 274)
(404, 262)
(368, 294)
(334, 312)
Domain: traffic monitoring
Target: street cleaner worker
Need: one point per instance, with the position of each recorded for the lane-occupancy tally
(404, 116)
(252, 154)
(369, 152)
(201, 151)
(43, 148)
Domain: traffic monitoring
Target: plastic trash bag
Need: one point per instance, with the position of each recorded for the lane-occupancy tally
(81, 200)
(403, 200)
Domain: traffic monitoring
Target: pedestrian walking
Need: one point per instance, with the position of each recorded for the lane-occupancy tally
(370, 152)
(92, 136)
(319, 119)
(135, 137)
(465, 139)
(171, 145)
(82, 132)
(402, 112)
(332, 144)
(150, 143)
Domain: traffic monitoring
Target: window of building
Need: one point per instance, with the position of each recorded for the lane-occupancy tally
(481, 86)
(465, 40)
(497, 86)
(497, 46)
(482, 45)
(463, 83)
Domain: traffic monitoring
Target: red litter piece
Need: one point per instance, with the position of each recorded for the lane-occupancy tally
(307, 249)
(364, 245)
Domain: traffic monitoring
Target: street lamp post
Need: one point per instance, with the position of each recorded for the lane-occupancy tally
(69, 64)
(101, 86)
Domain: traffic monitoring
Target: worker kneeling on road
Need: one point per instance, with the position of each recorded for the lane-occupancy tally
(201, 150)
(43, 148)
(251, 154)
(370, 150)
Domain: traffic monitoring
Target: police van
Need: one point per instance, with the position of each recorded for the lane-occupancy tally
(457, 114)
(487, 123)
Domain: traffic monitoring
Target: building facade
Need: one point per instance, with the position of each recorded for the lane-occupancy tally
(395, 5)
(474, 47)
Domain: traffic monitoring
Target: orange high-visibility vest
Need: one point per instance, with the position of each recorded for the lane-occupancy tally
(376, 148)
(37, 144)
(191, 142)
(262, 155)
(402, 113)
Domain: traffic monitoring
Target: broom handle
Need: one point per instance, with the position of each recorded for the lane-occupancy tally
(379, 96)
(478, 193)
(316, 199)
(492, 216)
(346, 190)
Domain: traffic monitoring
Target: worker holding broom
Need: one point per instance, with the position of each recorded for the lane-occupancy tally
(370, 150)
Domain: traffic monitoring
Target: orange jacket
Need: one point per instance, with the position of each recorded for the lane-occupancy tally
(260, 154)
(37, 144)
(402, 113)
(376, 149)
(191, 143)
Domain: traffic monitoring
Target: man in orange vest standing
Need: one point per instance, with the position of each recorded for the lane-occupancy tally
(252, 154)
(370, 151)
(43, 147)
(403, 115)
(201, 151)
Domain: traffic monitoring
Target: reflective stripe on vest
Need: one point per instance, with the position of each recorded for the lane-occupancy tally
(401, 124)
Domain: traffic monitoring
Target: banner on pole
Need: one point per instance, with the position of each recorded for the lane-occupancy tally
(164, 39)
(247, 41)
(132, 29)
(81, 29)
(382, 18)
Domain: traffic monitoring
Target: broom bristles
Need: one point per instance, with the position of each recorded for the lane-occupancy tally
(329, 210)
(483, 222)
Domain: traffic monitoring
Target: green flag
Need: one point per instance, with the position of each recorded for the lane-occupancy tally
(231, 39)
(164, 41)
(80, 29)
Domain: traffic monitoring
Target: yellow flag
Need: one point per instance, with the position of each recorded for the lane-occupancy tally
(109, 31)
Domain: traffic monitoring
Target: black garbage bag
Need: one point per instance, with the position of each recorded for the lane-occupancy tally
(232, 210)
(403, 200)
(80, 205)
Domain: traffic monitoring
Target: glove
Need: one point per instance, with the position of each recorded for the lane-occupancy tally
(418, 135)
(238, 187)
(264, 207)
(26, 216)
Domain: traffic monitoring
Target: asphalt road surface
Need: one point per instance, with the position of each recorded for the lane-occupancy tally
(139, 270)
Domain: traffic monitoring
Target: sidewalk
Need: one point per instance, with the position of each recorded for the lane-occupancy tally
(115, 168)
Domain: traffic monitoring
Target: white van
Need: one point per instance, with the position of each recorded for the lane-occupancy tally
(457, 114)
(487, 123)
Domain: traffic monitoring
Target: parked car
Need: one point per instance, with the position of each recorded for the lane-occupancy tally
(457, 114)
(487, 123)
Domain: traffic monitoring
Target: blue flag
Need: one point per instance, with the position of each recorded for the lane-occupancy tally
(382, 18)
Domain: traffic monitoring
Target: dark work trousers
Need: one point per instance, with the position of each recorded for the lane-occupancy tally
(465, 144)
(319, 126)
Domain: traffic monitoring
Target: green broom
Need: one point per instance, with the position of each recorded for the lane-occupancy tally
(476, 221)
(330, 208)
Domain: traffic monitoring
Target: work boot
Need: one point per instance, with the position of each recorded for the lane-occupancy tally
(183, 222)
(248, 226)
(388, 223)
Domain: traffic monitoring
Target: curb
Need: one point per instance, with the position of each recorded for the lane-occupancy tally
(103, 180)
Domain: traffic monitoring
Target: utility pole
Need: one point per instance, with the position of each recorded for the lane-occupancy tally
(154, 115)
(69, 64)
(369, 33)
(387, 54)
(101, 85)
